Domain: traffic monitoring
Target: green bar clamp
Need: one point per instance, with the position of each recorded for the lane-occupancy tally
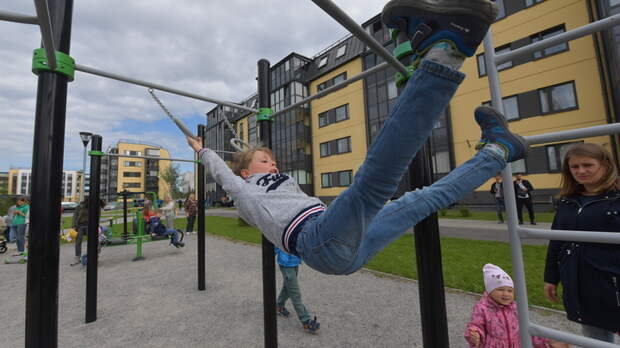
(400, 79)
(403, 50)
(65, 65)
(264, 114)
(96, 153)
(394, 33)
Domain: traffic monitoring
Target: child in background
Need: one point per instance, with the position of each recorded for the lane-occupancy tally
(494, 320)
(289, 266)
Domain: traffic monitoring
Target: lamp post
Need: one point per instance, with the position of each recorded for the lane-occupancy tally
(85, 136)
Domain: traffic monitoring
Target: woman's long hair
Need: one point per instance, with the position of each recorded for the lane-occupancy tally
(569, 186)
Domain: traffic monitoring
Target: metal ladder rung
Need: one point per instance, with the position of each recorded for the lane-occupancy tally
(578, 236)
(542, 331)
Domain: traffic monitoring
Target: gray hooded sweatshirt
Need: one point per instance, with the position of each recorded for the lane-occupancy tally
(274, 203)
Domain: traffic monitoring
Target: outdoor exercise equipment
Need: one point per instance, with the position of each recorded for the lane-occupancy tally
(57, 69)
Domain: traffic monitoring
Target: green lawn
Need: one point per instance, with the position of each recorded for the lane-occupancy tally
(462, 259)
(491, 215)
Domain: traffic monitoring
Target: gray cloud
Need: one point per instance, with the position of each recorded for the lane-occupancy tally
(206, 47)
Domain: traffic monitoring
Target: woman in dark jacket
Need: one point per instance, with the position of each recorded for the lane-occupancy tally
(589, 272)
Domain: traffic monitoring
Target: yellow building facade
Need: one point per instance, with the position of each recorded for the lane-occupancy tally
(138, 174)
(559, 88)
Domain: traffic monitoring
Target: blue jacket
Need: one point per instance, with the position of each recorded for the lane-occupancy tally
(287, 260)
(589, 272)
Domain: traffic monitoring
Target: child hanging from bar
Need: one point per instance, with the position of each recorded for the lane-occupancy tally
(341, 238)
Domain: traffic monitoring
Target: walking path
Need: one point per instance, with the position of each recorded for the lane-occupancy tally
(154, 303)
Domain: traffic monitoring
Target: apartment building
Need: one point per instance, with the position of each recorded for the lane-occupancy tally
(568, 86)
(19, 182)
(134, 174)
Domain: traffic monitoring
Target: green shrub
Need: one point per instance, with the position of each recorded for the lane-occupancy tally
(464, 211)
(443, 212)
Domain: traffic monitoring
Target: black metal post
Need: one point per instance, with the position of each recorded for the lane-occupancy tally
(47, 165)
(428, 256)
(125, 233)
(94, 212)
(269, 264)
(200, 195)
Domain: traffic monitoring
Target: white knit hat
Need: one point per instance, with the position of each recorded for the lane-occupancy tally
(495, 277)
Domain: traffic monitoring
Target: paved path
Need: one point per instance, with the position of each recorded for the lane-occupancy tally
(154, 303)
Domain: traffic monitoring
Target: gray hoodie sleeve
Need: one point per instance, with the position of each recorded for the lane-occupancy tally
(222, 174)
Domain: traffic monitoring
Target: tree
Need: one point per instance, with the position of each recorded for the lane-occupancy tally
(172, 177)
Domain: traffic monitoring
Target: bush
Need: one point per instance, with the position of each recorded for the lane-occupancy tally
(464, 211)
(443, 212)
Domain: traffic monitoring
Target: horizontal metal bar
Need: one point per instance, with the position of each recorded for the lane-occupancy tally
(558, 39)
(341, 17)
(150, 157)
(47, 37)
(538, 330)
(18, 18)
(606, 129)
(333, 88)
(577, 236)
(131, 80)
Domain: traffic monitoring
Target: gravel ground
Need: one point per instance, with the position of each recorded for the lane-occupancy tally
(154, 303)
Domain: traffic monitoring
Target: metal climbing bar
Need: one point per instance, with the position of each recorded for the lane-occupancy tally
(341, 17)
(334, 88)
(150, 157)
(515, 232)
(559, 39)
(43, 13)
(574, 134)
(18, 18)
(147, 84)
(580, 236)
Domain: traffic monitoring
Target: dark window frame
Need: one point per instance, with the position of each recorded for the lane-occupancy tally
(333, 112)
(549, 100)
(334, 144)
(334, 178)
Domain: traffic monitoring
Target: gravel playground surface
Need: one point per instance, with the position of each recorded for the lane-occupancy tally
(154, 303)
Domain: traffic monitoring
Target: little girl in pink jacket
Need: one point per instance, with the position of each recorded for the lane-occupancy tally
(494, 321)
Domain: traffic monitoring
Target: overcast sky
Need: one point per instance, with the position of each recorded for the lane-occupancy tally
(208, 47)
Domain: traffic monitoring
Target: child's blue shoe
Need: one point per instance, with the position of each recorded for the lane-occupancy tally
(495, 131)
(282, 311)
(464, 23)
(311, 325)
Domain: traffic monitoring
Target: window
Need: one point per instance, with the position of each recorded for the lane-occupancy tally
(322, 62)
(340, 78)
(502, 10)
(240, 132)
(133, 164)
(131, 185)
(549, 51)
(511, 108)
(441, 162)
(529, 3)
(132, 174)
(555, 155)
(558, 98)
(333, 81)
(341, 51)
(337, 179)
(133, 153)
(482, 71)
(518, 166)
(335, 147)
(153, 152)
(338, 114)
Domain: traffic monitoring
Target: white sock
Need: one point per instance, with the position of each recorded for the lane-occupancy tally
(444, 53)
(497, 149)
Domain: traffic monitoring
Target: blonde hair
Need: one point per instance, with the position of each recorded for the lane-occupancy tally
(569, 186)
(241, 160)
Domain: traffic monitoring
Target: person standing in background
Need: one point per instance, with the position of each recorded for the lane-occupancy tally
(523, 192)
(497, 190)
(191, 209)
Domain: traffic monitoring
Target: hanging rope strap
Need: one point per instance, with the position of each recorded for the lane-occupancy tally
(176, 121)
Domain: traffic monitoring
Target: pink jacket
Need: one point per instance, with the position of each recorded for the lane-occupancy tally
(498, 326)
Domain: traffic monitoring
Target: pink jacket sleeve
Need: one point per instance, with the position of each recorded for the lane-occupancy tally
(477, 323)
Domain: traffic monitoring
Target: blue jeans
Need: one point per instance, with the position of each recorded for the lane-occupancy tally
(20, 237)
(173, 233)
(12, 233)
(500, 207)
(358, 223)
(598, 333)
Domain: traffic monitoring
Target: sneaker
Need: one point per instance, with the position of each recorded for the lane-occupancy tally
(179, 244)
(464, 23)
(282, 311)
(495, 130)
(311, 325)
(533, 223)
